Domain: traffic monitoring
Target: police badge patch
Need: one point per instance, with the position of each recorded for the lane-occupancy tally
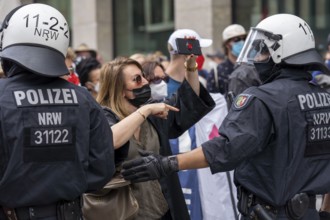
(241, 101)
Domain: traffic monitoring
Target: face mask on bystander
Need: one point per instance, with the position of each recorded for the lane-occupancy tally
(158, 90)
(142, 96)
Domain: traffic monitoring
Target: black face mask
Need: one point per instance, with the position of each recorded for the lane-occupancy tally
(265, 70)
(142, 96)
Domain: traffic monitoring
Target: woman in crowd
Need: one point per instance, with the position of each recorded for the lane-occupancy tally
(125, 93)
(154, 72)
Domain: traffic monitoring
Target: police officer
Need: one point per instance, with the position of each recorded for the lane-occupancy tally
(276, 136)
(53, 145)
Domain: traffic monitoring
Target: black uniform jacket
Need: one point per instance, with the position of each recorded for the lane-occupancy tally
(277, 136)
(243, 77)
(53, 145)
(192, 109)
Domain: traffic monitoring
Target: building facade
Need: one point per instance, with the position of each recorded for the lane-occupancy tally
(123, 27)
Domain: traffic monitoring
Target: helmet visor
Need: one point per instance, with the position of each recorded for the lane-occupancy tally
(255, 48)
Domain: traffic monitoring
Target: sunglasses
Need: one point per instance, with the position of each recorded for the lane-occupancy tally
(157, 79)
(138, 79)
(237, 39)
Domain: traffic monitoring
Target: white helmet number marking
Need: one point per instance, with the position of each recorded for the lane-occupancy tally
(310, 31)
(53, 30)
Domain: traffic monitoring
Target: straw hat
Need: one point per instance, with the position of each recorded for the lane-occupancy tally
(83, 48)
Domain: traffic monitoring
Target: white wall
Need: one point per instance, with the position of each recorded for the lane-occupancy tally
(92, 25)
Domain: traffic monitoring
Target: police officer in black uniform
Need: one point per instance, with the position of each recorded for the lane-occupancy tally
(276, 136)
(55, 143)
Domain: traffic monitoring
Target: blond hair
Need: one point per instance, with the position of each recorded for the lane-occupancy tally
(70, 55)
(112, 85)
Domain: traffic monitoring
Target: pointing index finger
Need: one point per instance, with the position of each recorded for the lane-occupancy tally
(172, 108)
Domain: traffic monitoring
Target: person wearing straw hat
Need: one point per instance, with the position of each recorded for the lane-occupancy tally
(84, 51)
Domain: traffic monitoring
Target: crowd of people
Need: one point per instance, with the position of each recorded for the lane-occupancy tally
(242, 134)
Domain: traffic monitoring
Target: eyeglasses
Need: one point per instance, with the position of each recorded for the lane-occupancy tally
(158, 79)
(236, 39)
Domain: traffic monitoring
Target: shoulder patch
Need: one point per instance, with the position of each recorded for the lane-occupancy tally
(241, 101)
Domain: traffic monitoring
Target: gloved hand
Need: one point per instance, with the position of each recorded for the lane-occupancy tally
(324, 215)
(149, 167)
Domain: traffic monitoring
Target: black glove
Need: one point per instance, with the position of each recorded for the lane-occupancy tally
(324, 215)
(149, 167)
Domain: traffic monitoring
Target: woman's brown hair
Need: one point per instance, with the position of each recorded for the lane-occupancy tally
(149, 69)
(112, 85)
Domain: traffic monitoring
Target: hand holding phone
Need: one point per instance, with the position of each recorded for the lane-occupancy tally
(188, 46)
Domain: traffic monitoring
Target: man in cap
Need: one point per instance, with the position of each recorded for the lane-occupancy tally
(275, 136)
(176, 71)
(233, 38)
(55, 140)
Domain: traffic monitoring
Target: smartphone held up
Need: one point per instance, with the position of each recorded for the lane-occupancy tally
(188, 46)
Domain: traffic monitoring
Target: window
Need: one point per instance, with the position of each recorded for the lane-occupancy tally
(142, 26)
(315, 13)
(64, 6)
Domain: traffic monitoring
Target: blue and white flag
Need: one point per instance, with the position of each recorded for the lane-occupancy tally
(188, 178)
